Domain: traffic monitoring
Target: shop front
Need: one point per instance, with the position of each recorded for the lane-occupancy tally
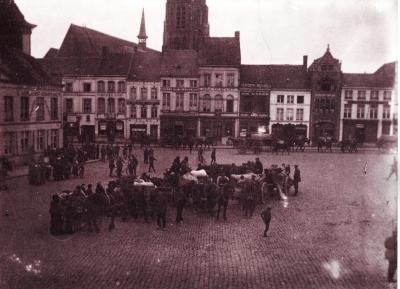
(138, 131)
(363, 131)
(249, 126)
(178, 126)
(217, 128)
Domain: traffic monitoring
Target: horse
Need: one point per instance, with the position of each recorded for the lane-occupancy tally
(281, 145)
(300, 143)
(326, 142)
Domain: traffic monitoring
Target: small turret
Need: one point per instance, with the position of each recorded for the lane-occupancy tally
(142, 33)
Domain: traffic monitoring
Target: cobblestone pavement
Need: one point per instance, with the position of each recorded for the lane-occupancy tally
(330, 236)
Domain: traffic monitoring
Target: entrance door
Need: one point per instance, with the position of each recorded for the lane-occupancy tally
(360, 134)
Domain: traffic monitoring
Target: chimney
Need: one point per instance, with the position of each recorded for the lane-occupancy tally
(305, 62)
(237, 35)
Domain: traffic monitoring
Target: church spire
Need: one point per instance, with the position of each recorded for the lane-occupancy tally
(142, 33)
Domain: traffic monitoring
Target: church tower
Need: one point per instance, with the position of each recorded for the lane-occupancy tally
(186, 24)
(142, 33)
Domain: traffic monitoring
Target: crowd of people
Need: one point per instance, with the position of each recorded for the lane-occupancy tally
(131, 195)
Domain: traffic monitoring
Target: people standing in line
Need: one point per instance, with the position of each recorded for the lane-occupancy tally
(393, 169)
(146, 155)
(296, 179)
(161, 206)
(152, 159)
(111, 165)
(119, 167)
(214, 156)
(266, 217)
(391, 256)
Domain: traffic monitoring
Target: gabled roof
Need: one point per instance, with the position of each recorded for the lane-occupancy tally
(220, 51)
(19, 68)
(11, 16)
(276, 76)
(327, 58)
(52, 52)
(85, 42)
(179, 63)
(383, 77)
(146, 66)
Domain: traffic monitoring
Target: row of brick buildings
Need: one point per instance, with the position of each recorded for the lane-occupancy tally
(112, 89)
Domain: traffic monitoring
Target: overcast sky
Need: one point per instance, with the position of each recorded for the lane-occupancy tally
(361, 33)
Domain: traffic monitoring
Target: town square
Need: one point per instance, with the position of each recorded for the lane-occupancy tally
(186, 157)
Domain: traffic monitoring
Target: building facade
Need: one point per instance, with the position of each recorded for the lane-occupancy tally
(30, 101)
(369, 105)
(291, 107)
(326, 86)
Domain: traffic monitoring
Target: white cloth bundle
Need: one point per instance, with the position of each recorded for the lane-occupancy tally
(141, 183)
(189, 177)
(199, 173)
(246, 176)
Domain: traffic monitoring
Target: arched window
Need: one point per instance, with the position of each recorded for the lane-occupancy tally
(206, 103)
(143, 93)
(101, 86)
(111, 105)
(229, 103)
(133, 93)
(154, 93)
(121, 106)
(219, 103)
(101, 106)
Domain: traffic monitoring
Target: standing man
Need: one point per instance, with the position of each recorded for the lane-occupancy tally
(214, 156)
(296, 179)
(224, 193)
(103, 153)
(266, 217)
(119, 167)
(161, 210)
(391, 256)
(258, 167)
(146, 155)
(181, 202)
(151, 163)
(393, 169)
(111, 165)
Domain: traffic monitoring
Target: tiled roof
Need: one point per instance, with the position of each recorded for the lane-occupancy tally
(220, 51)
(179, 63)
(52, 52)
(327, 58)
(85, 42)
(276, 76)
(10, 16)
(106, 65)
(383, 77)
(20, 68)
(146, 66)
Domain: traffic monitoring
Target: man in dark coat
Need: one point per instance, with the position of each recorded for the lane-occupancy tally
(152, 159)
(146, 155)
(258, 167)
(181, 202)
(111, 165)
(250, 198)
(213, 156)
(56, 221)
(266, 217)
(161, 210)
(391, 256)
(93, 204)
(119, 167)
(296, 179)
(223, 197)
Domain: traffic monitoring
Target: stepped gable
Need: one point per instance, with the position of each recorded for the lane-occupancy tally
(220, 51)
(20, 68)
(146, 66)
(276, 76)
(179, 63)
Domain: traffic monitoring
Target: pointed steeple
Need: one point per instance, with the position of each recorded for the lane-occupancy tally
(142, 33)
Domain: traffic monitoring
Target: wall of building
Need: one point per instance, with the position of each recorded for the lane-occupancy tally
(305, 106)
